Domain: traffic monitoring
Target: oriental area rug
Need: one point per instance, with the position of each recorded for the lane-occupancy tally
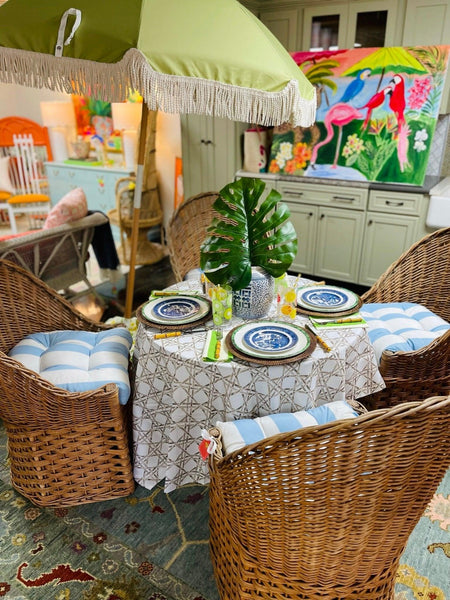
(154, 546)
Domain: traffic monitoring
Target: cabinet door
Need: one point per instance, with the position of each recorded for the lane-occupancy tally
(325, 26)
(338, 246)
(211, 153)
(304, 220)
(427, 22)
(372, 24)
(386, 237)
(284, 26)
(59, 185)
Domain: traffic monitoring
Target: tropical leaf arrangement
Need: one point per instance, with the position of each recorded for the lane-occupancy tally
(247, 232)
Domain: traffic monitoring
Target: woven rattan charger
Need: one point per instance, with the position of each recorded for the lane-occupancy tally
(270, 361)
(330, 314)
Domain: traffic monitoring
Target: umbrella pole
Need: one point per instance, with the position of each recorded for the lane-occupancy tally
(136, 212)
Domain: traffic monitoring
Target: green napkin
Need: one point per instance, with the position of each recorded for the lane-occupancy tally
(209, 349)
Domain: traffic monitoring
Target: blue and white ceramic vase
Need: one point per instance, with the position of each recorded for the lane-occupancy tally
(255, 300)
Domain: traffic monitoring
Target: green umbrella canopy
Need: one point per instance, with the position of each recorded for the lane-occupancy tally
(209, 57)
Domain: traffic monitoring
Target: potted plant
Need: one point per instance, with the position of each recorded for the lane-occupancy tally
(249, 243)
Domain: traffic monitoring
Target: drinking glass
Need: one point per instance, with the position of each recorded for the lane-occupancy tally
(221, 298)
(286, 298)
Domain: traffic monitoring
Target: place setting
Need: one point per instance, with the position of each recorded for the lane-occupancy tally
(269, 342)
(174, 312)
(327, 301)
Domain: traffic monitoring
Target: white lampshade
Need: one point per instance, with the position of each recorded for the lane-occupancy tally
(59, 117)
(58, 114)
(126, 115)
(127, 118)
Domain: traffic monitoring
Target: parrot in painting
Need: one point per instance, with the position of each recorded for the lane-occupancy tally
(376, 100)
(397, 99)
(356, 85)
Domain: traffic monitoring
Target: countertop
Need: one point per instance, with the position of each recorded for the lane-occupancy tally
(429, 182)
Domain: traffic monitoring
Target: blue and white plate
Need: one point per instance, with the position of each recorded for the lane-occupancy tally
(326, 298)
(175, 310)
(270, 339)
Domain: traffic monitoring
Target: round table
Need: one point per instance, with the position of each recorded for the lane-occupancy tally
(177, 394)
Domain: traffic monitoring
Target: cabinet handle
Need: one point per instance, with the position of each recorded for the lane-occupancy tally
(310, 214)
(322, 216)
(290, 193)
(343, 198)
(206, 142)
(390, 203)
(370, 222)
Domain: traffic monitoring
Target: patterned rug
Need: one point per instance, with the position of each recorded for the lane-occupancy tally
(154, 546)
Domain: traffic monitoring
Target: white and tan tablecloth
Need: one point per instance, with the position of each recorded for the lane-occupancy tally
(177, 394)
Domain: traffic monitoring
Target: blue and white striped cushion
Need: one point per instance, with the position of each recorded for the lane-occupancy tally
(401, 326)
(78, 361)
(237, 434)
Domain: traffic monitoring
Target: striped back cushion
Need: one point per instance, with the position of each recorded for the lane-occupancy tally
(78, 361)
(401, 326)
(240, 433)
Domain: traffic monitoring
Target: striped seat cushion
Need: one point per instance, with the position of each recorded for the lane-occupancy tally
(240, 433)
(401, 326)
(78, 361)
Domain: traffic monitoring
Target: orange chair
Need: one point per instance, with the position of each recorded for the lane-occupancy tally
(27, 146)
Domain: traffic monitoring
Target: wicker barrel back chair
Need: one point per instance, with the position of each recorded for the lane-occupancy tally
(150, 215)
(421, 275)
(65, 448)
(187, 231)
(325, 512)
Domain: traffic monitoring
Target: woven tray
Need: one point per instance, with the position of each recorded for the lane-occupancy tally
(167, 326)
(270, 361)
(330, 315)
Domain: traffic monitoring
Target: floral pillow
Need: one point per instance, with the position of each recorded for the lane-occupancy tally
(5, 181)
(71, 207)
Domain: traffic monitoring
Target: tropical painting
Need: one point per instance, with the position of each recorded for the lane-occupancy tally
(377, 113)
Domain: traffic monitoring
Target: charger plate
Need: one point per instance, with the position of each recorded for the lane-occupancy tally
(269, 358)
(330, 314)
(170, 324)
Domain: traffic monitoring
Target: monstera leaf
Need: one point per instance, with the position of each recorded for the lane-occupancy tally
(247, 233)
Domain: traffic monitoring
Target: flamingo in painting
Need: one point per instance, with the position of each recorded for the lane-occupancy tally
(340, 114)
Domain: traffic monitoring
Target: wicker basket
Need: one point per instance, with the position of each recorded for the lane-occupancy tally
(324, 513)
(422, 275)
(187, 231)
(65, 448)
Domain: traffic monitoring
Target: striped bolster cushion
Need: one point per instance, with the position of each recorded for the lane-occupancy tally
(401, 326)
(78, 361)
(240, 433)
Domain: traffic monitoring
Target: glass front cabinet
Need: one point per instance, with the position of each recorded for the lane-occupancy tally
(349, 25)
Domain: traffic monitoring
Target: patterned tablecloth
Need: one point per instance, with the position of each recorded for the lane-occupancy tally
(177, 394)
